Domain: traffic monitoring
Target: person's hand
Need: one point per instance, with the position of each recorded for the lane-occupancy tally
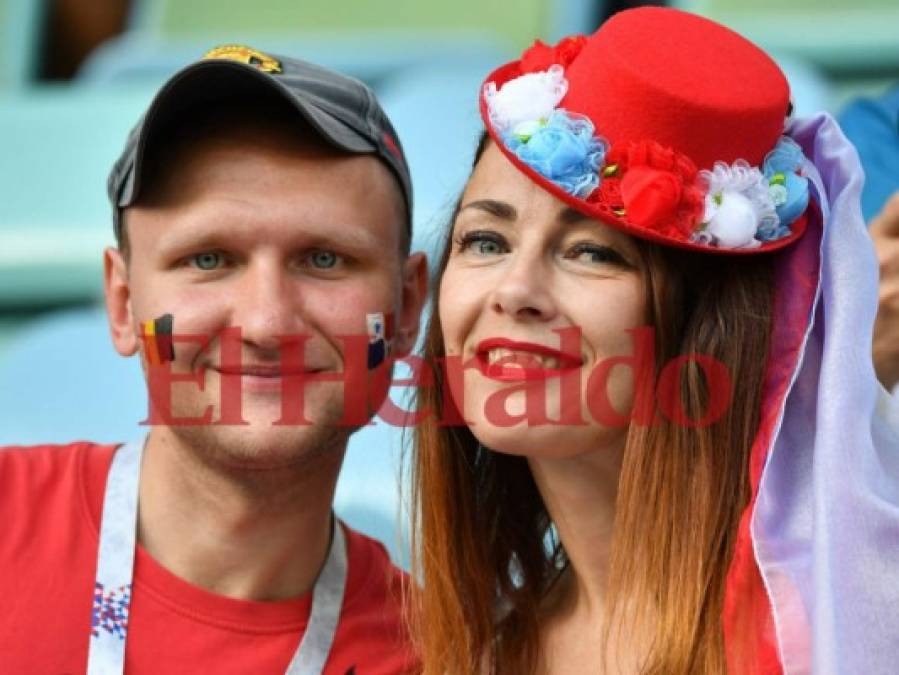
(884, 231)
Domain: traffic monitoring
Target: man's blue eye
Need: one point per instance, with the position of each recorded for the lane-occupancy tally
(209, 260)
(324, 259)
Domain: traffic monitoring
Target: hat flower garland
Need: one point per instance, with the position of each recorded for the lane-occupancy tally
(652, 187)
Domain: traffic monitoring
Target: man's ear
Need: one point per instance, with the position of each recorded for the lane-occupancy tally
(414, 295)
(117, 292)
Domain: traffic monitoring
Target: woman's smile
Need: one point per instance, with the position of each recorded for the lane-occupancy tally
(509, 360)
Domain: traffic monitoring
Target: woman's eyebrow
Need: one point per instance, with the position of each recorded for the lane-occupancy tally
(501, 210)
(570, 216)
(505, 211)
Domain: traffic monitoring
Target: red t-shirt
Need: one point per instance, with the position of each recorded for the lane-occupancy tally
(51, 498)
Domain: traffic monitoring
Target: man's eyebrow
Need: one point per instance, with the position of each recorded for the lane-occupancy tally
(189, 238)
(501, 210)
(346, 237)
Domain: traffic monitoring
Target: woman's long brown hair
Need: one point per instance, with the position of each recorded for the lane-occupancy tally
(482, 539)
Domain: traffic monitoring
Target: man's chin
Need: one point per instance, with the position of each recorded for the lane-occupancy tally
(262, 445)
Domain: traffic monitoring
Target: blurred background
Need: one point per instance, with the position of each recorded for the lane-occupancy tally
(76, 74)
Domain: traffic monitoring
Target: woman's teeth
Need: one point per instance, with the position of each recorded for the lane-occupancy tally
(510, 357)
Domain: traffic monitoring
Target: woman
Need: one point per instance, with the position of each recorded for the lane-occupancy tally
(635, 279)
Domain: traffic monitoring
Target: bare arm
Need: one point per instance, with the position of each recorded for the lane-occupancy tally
(885, 233)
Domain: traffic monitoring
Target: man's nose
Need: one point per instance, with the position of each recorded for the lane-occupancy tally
(524, 291)
(267, 305)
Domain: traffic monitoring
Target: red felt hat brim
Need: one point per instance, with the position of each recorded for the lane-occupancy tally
(595, 210)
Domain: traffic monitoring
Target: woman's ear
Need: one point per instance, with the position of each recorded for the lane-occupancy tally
(414, 294)
(117, 292)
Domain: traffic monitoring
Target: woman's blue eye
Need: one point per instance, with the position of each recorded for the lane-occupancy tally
(590, 253)
(487, 247)
(209, 260)
(482, 243)
(324, 259)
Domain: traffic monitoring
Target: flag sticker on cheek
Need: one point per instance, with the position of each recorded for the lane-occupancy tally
(157, 337)
(380, 331)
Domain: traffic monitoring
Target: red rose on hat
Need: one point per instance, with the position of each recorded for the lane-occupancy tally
(655, 186)
(541, 56)
(650, 196)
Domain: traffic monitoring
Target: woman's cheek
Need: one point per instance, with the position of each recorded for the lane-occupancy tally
(463, 295)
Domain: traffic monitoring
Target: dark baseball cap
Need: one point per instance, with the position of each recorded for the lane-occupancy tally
(343, 111)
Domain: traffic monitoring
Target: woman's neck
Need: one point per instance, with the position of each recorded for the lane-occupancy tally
(579, 494)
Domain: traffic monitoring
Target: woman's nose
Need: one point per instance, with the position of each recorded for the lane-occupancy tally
(524, 292)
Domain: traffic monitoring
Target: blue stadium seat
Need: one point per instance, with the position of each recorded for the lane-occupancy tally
(20, 41)
(57, 144)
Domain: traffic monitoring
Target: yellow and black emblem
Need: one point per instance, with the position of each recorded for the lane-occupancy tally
(244, 54)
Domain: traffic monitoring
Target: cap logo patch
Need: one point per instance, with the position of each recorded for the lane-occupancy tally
(247, 55)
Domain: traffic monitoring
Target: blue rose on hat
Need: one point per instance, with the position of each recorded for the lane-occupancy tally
(564, 150)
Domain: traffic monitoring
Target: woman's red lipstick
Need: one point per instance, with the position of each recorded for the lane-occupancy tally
(526, 362)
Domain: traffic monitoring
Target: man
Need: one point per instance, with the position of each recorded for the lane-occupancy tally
(262, 213)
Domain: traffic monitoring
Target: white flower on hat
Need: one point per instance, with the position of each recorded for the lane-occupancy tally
(525, 100)
(733, 223)
(737, 204)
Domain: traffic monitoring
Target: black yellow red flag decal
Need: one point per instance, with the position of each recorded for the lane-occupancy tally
(157, 337)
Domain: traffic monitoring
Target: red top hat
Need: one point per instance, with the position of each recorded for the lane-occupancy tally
(663, 124)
